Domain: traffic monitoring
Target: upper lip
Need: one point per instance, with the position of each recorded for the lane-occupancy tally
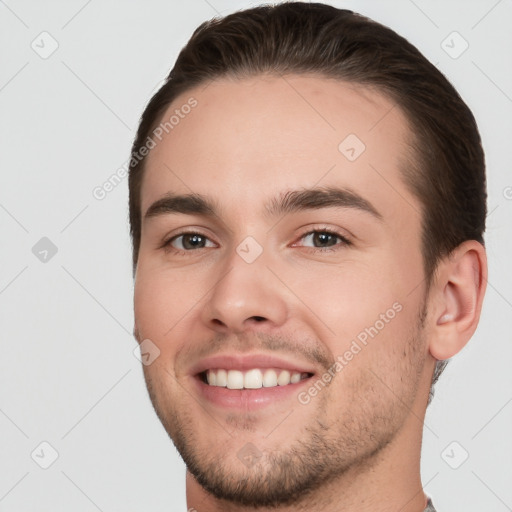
(249, 361)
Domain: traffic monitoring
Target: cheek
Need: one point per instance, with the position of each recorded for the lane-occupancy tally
(364, 307)
(380, 364)
(159, 302)
(349, 297)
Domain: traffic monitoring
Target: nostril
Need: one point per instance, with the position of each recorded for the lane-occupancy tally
(258, 318)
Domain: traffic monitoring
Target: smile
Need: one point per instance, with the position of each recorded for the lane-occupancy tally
(254, 378)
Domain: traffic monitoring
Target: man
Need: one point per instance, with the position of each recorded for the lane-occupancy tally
(307, 205)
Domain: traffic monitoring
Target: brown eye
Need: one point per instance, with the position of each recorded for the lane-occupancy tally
(188, 242)
(322, 239)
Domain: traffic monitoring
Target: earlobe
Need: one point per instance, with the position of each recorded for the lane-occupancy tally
(460, 286)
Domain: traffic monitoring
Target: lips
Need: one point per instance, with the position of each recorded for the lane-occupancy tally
(250, 380)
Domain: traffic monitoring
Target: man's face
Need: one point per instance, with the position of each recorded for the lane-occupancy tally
(331, 294)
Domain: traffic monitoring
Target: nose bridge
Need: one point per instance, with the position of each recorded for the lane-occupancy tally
(245, 291)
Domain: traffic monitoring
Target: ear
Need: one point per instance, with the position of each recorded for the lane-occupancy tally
(457, 296)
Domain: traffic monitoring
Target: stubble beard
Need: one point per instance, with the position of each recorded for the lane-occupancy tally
(323, 453)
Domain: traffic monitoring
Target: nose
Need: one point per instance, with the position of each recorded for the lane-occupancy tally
(245, 296)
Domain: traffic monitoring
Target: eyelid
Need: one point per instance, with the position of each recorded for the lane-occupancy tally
(345, 240)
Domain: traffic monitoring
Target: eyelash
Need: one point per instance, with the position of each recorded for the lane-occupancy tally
(344, 241)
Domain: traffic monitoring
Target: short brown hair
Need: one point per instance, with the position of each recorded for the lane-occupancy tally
(447, 174)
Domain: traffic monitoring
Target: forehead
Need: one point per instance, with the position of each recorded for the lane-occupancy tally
(247, 139)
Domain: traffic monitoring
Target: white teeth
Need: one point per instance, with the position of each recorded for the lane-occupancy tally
(212, 377)
(295, 377)
(284, 378)
(235, 379)
(252, 379)
(222, 378)
(270, 379)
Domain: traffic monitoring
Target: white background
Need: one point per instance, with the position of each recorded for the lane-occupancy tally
(67, 369)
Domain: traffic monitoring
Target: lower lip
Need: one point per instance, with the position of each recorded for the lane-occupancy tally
(248, 399)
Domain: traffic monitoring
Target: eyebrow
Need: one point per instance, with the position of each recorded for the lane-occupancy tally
(289, 202)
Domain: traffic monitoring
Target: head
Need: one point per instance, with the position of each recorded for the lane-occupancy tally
(270, 100)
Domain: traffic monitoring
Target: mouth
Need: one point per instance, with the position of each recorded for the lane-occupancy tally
(249, 382)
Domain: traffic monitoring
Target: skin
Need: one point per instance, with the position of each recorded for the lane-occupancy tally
(356, 444)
